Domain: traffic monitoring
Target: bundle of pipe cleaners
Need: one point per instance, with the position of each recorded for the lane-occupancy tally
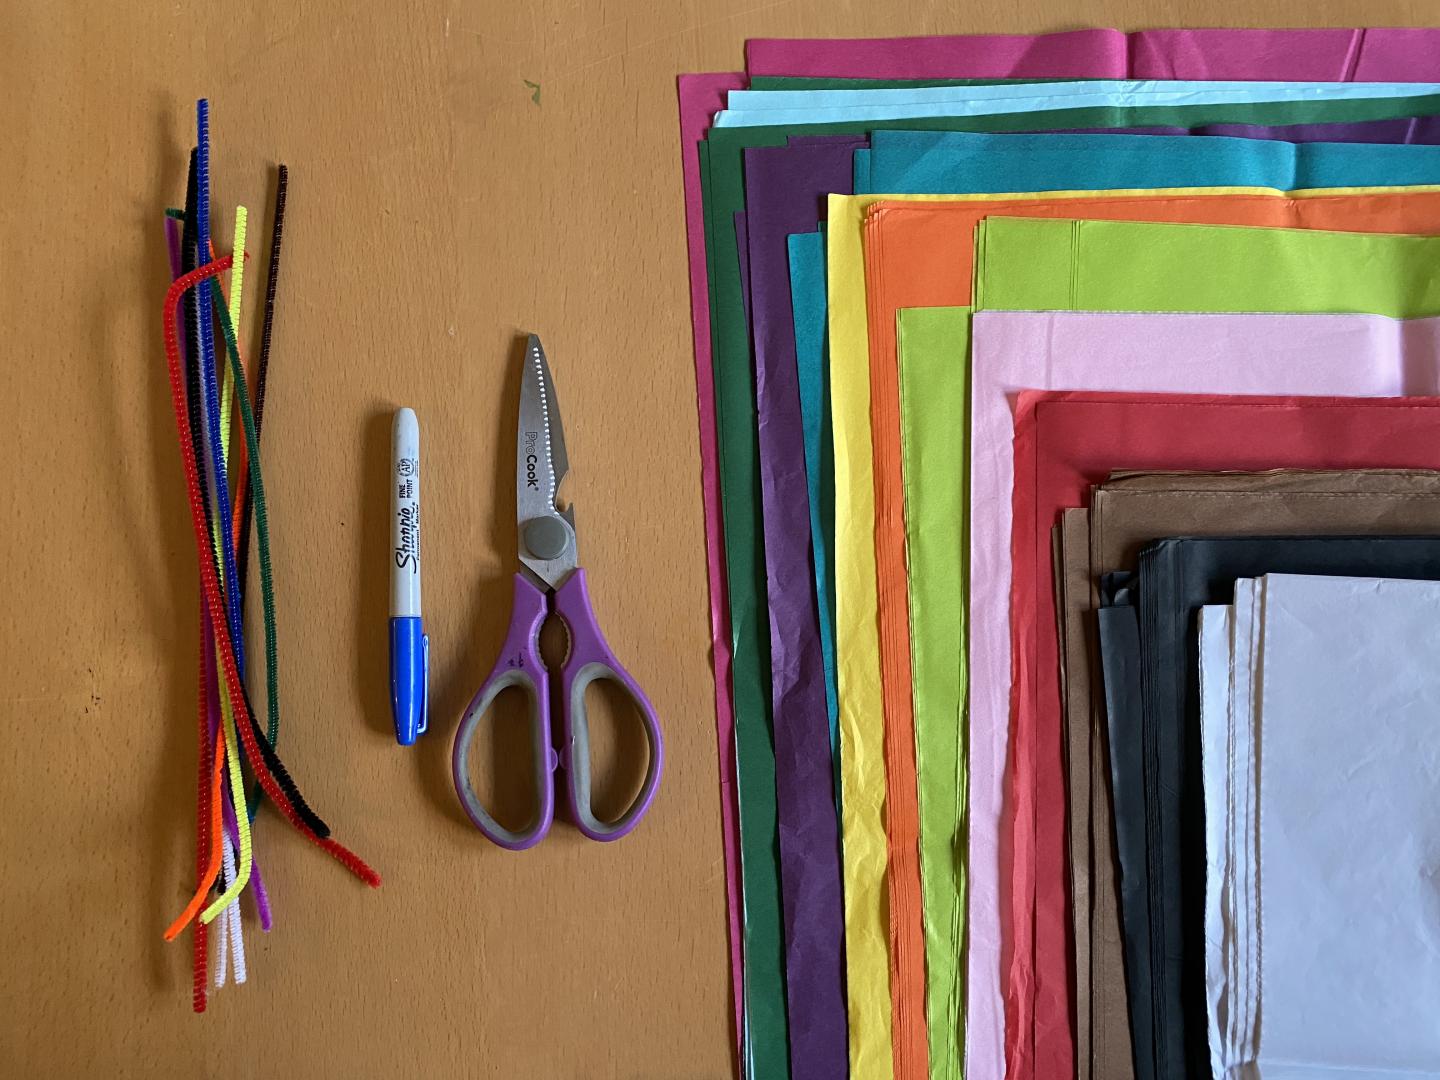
(226, 492)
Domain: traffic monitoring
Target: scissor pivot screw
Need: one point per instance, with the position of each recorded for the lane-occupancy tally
(546, 538)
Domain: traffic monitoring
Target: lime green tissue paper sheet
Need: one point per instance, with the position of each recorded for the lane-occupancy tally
(1030, 264)
(934, 352)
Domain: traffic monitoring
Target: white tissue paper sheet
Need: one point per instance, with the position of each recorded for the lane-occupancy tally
(1320, 727)
(1229, 650)
(1215, 765)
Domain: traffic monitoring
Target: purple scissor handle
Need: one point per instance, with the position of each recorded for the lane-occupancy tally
(550, 582)
(520, 666)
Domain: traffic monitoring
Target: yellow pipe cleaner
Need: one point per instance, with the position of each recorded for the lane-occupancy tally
(227, 712)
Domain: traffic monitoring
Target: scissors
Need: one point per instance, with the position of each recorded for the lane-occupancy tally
(550, 581)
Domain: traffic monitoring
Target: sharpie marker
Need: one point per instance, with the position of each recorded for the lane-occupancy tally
(409, 645)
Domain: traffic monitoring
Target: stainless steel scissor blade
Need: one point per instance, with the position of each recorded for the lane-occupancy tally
(546, 533)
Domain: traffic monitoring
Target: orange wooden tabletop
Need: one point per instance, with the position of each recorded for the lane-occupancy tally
(435, 213)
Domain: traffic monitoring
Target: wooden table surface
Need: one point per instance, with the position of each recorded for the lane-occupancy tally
(435, 212)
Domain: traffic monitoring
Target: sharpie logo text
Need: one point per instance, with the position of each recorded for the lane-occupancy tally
(407, 553)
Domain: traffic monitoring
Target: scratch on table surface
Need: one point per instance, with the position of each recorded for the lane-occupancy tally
(87, 697)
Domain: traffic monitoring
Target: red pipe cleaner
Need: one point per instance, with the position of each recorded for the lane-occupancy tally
(211, 586)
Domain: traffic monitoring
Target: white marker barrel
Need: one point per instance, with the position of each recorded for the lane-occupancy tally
(405, 516)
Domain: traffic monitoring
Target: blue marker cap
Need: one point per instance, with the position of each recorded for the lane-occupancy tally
(409, 678)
